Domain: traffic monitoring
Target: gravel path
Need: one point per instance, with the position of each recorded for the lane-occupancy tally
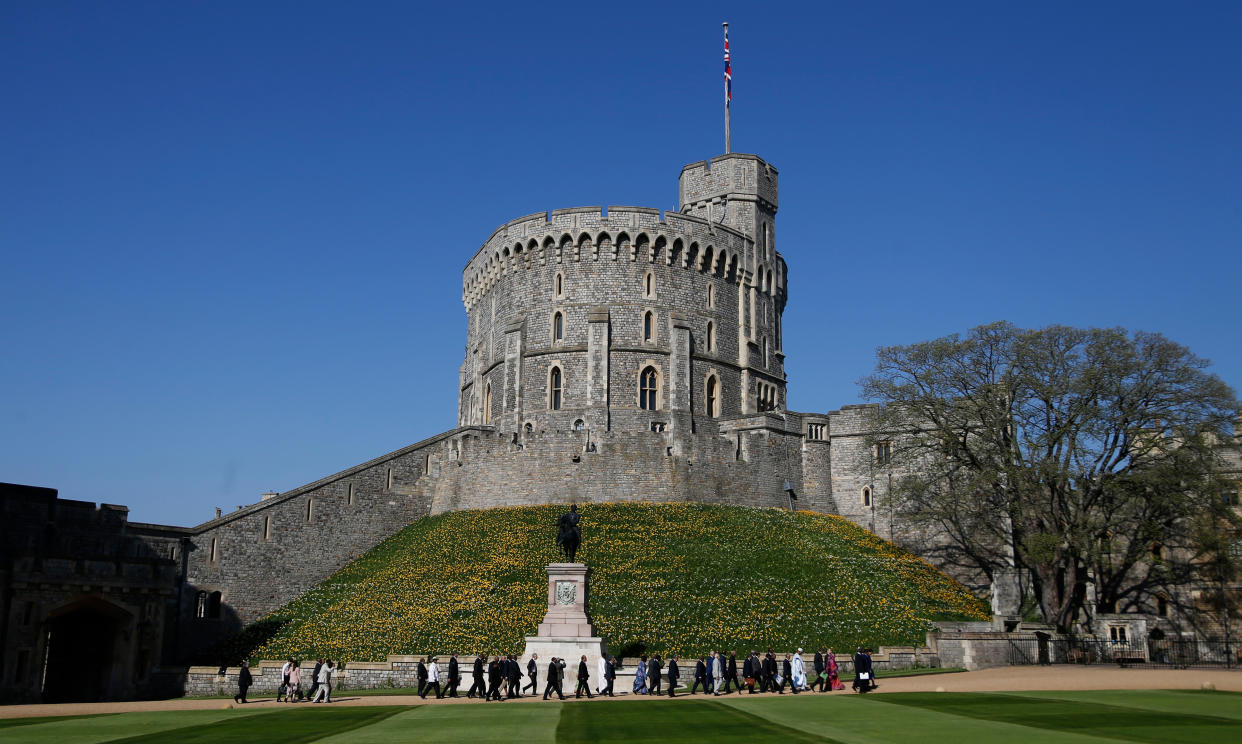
(1014, 679)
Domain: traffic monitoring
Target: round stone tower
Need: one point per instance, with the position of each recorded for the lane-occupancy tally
(621, 320)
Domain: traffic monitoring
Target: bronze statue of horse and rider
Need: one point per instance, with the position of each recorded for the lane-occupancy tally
(569, 533)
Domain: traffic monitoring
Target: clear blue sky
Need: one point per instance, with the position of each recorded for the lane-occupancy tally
(232, 234)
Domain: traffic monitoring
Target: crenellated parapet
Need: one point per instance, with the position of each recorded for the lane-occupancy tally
(618, 234)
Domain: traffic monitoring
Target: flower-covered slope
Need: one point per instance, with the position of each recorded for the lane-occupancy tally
(664, 577)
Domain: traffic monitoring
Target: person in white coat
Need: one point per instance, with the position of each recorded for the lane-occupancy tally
(433, 679)
(325, 683)
(601, 684)
(799, 672)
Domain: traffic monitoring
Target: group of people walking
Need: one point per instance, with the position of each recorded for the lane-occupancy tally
(718, 674)
(500, 678)
(320, 681)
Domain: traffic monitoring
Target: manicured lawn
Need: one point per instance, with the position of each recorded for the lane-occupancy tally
(927, 718)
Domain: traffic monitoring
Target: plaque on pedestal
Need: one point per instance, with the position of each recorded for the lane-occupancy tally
(566, 631)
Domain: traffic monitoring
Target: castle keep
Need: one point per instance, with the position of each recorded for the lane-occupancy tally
(612, 355)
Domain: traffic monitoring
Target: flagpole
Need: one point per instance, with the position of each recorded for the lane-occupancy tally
(727, 91)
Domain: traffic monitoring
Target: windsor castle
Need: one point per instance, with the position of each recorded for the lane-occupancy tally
(611, 355)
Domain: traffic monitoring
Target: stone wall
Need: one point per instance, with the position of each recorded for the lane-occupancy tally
(265, 554)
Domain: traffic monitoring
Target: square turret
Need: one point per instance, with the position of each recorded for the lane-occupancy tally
(736, 190)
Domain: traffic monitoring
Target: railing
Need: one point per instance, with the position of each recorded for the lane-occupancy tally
(1169, 653)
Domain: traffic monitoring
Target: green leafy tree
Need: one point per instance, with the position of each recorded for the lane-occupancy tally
(1065, 452)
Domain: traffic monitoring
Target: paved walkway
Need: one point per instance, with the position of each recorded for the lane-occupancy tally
(1061, 677)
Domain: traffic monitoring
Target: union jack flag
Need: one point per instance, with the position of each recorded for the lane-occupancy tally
(728, 75)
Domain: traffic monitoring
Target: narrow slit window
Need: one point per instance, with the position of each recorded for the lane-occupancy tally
(648, 326)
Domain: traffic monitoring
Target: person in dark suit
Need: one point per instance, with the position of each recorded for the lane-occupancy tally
(454, 677)
(673, 675)
(700, 677)
(584, 675)
(494, 679)
(787, 676)
(863, 675)
(422, 677)
(515, 677)
(819, 670)
(748, 672)
(769, 672)
(556, 668)
(731, 673)
(532, 675)
(653, 675)
(479, 684)
(244, 680)
(610, 674)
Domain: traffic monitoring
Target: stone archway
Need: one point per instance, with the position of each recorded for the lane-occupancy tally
(83, 651)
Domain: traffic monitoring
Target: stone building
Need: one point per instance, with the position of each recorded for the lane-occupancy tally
(612, 355)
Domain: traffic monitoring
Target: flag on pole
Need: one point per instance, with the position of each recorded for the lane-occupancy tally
(728, 74)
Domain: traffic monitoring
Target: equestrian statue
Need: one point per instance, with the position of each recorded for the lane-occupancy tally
(569, 533)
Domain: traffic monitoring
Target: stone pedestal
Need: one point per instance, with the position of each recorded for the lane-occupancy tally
(566, 631)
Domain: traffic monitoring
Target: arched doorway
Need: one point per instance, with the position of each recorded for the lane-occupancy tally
(81, 650)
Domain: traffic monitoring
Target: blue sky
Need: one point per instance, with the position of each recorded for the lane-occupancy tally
(232, 234)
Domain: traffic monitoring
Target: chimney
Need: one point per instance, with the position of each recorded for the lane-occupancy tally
(217, 512)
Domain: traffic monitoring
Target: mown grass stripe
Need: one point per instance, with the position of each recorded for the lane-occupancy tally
(11, 722)
(95, 729)
(1073, 716)
(852, 718)
(285, 726)
(685, 722)
(493, 723)
(1220, 704)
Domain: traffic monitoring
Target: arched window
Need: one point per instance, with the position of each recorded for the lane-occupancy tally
(866, 497)
(487, 404)
(554, 389)
(711, 336)
(649, 326)
(558, 327)
(713, 397)
(648, 389)
(649, 285)
(558, 285)
(711, 296)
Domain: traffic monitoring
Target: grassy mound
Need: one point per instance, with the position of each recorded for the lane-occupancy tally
(664, 577)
